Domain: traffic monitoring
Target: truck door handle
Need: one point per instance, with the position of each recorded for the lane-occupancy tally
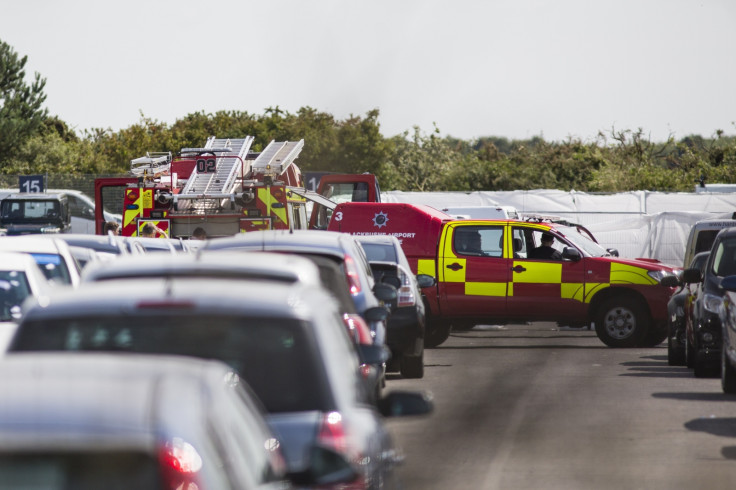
(518, 268)
(455, 266)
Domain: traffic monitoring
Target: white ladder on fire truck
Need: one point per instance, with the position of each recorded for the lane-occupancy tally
(277, 157)
(207, 189)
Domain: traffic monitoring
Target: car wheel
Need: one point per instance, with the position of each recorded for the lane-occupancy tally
(621, 322)
(412, 367)
(437, 332)
(702, 368)
(675, 352)
(728, 374)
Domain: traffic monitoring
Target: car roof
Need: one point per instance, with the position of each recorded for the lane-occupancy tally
(315, 241)
(36, 196)
(31, 244)
(77, 399)
(214, 264)
(256, 298)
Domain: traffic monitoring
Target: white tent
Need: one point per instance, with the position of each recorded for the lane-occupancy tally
(637, 223)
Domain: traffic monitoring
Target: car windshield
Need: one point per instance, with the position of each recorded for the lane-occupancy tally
(53, 267)
(65, 470)
(582, 241)
(724, 262)
(29, 209)
(274, 355)
(380, 252)
(13, 290)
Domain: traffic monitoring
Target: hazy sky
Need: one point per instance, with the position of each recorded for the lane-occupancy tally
(513, 68)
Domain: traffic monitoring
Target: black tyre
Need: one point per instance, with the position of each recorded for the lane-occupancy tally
(675, 352)
(704, 368)
(437, 332)
(689, 354)
(412, 367)
(621, 322)
(728, 375)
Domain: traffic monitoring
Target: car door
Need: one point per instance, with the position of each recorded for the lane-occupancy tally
(474, 280)
(543, 289)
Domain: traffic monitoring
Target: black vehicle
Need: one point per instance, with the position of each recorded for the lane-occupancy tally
(406, 325)
(728, 351)
(676, 314)
(32, 213)
(702, 306)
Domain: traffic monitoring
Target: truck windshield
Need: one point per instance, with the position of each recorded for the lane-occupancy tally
(582, 241)
(31, 209)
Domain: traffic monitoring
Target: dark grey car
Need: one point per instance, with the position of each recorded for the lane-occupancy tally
(287, 341)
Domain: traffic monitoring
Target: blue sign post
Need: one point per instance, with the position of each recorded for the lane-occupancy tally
(31, 183)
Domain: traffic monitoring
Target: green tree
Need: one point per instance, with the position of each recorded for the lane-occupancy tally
(21, 112)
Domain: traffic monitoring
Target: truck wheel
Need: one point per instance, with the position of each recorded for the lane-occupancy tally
(621, 322)
(437, 332)
(412, 367)
(728, 374)
(675, 352)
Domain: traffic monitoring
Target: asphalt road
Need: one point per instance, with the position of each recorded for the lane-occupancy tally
(535, 407)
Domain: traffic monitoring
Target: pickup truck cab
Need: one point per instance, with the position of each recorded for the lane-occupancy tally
(485, 271)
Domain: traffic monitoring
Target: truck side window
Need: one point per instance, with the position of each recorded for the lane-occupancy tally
(485, 241)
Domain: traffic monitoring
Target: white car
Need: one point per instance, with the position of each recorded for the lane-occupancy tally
(20, 278)
(51, 254)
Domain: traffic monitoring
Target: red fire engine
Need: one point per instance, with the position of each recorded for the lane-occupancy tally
(224, 188)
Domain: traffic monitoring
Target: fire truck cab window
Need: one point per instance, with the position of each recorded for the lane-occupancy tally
(484, 241)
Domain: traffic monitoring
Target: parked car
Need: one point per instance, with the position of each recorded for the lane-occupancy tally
(676, 313)
(727, 315)
(222, 265)
(702, 321)
(287, 341)
(701, 236)
(130, 421)
(20, 277)
(51, 254)
(339, 247)
(406, 325)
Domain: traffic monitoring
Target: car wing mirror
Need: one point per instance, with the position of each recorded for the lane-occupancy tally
(376, 314)
(425, 281)
(670, 281)
(612, 251)
(385, 292)
(326, 467)
(571, 254)
(373, 354)
(404, 403)
(690, 276)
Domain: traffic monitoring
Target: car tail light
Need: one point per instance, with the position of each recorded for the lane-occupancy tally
(358, 329)
(351, 271)
(406, 293)
(332, 434)
(180, 465)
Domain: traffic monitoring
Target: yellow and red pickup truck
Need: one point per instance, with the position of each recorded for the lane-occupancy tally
(486, 272)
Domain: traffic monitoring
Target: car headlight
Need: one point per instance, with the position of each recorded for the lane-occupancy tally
(712, 302)
(659, 275)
